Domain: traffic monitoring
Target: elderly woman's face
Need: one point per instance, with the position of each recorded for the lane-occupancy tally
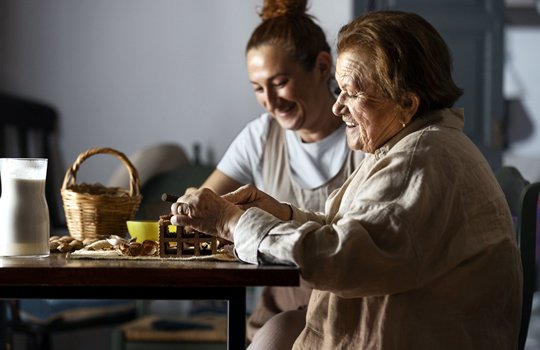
(371, 119)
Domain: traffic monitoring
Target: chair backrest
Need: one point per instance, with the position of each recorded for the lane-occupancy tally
(162, 168)
(27, 130)
(528, 228)
(175, 182)
(522, 198)
(150, 161)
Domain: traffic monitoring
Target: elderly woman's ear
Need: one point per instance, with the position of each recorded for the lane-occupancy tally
(410, 106)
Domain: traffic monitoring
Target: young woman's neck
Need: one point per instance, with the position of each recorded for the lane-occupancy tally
(325, 123)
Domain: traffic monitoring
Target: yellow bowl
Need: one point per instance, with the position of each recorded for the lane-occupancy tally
(145, 229)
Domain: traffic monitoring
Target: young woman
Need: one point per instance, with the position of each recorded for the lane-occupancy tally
(297, 150)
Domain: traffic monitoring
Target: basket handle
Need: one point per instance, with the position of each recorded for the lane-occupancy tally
(71, 174)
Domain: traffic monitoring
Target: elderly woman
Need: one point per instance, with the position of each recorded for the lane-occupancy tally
(416, 250)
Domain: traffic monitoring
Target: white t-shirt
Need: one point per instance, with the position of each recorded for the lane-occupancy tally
(312, 164)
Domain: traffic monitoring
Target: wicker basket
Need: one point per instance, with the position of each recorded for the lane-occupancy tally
(93, 210)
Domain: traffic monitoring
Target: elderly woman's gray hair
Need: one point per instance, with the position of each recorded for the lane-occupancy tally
(406, 54)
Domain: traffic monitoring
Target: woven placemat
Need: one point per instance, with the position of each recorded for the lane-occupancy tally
(112, 254)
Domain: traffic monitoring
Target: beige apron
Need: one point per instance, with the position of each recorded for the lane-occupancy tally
(278, 182)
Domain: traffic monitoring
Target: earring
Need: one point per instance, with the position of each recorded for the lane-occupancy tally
(403, 124)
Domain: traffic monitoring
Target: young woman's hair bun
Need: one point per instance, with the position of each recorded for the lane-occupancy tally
(277, 8)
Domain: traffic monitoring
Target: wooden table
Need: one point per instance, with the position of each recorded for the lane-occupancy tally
(58, 277)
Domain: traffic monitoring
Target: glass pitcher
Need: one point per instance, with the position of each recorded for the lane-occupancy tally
(24, 214)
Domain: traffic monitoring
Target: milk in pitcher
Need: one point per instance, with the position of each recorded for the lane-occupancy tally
(24, 214)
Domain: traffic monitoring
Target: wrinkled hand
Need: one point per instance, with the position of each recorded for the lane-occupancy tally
(190, 190)
(206, 212)
(250, 196)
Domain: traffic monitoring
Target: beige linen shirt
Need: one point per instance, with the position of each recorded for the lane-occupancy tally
(415, 251)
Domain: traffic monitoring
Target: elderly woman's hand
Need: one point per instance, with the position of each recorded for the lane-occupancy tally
(206, 212)
(250, 196)
(190, 190)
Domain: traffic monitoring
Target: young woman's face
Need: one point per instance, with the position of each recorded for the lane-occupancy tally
(370, 119)
(283, 87)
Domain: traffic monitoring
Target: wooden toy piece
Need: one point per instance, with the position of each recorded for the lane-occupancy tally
(183, 242)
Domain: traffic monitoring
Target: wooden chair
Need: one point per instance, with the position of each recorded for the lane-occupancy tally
(528, 226)
(523, 200)
(29, 129)
(150, 161)
(162, 167)
(174, 181)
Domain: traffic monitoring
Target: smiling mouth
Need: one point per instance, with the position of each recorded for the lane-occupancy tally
(349, 123)
(286, 108)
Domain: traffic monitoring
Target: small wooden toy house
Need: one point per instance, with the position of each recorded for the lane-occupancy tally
(177, 241)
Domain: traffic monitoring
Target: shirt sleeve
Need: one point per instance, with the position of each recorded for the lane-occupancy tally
(242, 159)
(256, 225)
